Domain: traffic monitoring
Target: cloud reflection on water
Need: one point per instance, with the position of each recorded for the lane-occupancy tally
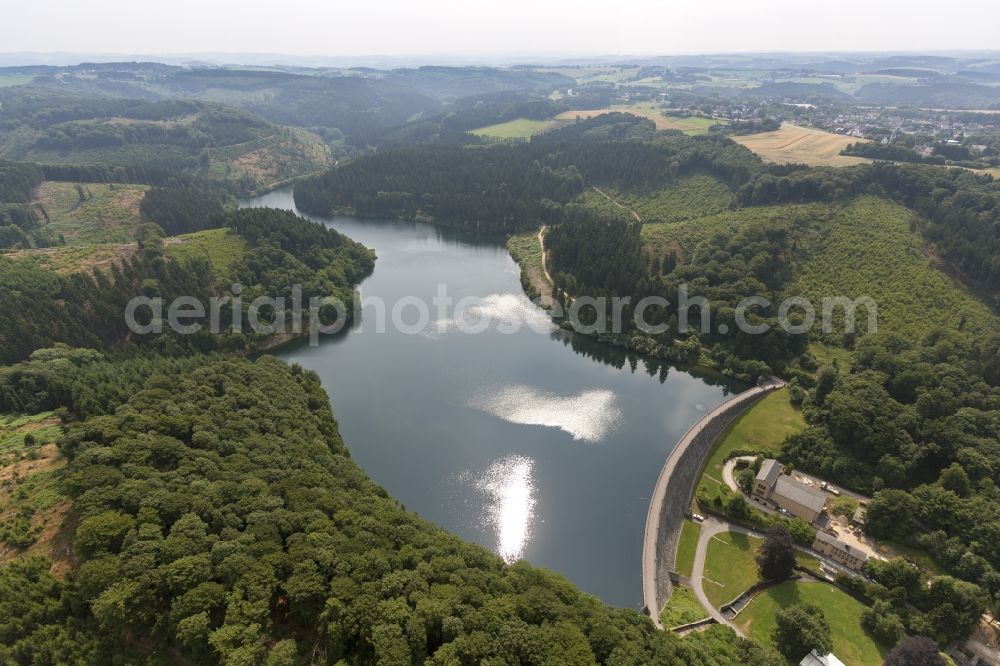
(587, 416)
(502, 312)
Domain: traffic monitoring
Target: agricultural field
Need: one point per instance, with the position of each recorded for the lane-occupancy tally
(33, 509)
(851, 643)
(220, 246)
(681, 608)
(692, 125)
(761, 428)
(85, 213)
(801, 145)
(520, 128)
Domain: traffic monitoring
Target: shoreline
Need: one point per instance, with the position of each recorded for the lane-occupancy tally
(669, 502)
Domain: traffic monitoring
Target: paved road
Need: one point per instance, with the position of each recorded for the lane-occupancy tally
(730, 479)
(709, 528)
(713, 526)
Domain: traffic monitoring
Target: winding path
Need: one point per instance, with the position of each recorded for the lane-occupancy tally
(616, 202)
(712, 527)
(541, 245)
(709, 529)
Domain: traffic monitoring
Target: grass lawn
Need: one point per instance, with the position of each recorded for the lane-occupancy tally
(44, 427)
(808, 562)
(219, 246)
(686, 547)
(520, 128)
(761, 428)
(850, 642)
(682, 608)
(729, 567)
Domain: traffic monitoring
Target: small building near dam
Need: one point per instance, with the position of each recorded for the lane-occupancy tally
(777, 489)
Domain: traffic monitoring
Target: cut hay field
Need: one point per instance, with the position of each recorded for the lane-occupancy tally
(802, 145)
(520, 128)
(691, 125)
(90, 212)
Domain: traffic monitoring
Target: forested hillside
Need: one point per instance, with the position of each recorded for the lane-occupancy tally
(515, 187)
(913, 416)
(202, 507)
(226, 144)
(208, 535)
(86, 309)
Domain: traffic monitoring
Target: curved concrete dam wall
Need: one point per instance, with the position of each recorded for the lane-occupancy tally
(674, 488)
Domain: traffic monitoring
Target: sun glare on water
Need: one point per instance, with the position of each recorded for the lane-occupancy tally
(510, 504)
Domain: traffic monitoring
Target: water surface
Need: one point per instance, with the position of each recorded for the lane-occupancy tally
(543, 446)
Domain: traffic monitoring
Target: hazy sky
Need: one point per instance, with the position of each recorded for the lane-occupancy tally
(509, 27)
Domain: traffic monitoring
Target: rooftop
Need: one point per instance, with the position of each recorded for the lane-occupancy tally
(769, 472)
(826, 537)
(813, 659)
(800, 493)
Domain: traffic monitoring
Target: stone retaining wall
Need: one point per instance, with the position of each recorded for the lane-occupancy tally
(674, 488)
